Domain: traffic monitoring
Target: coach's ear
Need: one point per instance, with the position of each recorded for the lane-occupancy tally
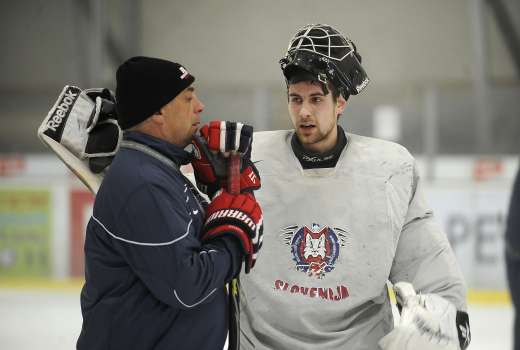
(156, 118)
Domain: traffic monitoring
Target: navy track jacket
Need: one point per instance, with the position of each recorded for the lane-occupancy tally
(150, 283)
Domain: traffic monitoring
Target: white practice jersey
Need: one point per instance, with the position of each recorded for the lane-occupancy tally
(333, 237)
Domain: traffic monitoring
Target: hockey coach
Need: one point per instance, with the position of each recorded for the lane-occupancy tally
(155, 266)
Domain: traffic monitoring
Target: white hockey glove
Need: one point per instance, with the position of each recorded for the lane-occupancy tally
(428, 322)
(81, 128)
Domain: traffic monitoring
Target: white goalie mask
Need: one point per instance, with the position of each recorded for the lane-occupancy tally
(328, 55)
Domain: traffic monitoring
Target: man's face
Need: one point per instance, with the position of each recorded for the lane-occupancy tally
(181, 117)
(314, 115)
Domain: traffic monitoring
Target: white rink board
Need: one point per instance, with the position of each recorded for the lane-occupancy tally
(471, 213)
(473, 217)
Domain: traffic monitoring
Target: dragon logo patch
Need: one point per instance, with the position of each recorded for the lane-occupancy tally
(315, 250)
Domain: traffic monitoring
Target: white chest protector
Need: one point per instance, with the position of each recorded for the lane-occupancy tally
(331, 237)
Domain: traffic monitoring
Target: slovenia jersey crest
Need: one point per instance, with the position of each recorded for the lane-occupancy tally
(315, 250)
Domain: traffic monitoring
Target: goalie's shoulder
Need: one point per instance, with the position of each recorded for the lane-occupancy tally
(381, 152)
(271, 151)
(270, 141)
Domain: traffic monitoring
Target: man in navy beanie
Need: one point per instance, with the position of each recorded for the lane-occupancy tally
(155, 265)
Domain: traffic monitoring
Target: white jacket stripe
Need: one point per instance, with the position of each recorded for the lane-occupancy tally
(144, 243)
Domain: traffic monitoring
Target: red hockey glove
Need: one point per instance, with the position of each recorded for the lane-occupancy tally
(239, 216)
(212, 145)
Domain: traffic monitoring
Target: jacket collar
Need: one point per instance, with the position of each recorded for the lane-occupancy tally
(177, 154)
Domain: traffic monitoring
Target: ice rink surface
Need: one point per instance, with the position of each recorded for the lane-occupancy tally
(52, 320)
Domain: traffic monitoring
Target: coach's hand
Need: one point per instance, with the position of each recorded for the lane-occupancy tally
(239, 216)
(214, 142)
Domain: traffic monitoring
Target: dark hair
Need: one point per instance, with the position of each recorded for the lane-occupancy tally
(299, 75)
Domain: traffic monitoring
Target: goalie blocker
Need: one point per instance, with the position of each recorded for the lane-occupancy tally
(427, 322)
(82, 129)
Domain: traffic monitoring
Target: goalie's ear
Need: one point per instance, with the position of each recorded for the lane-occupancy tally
(340, 105)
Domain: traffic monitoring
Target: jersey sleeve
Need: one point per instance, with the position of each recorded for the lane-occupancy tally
(158, 238)
(424, 256)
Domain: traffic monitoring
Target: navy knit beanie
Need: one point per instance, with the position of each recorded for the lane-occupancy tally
(145, 85)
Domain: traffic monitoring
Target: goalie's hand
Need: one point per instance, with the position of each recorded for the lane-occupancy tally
(214, 142)
(428, 322)
(239, 216)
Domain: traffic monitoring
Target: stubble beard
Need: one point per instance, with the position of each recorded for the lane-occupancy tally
(318, 136)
